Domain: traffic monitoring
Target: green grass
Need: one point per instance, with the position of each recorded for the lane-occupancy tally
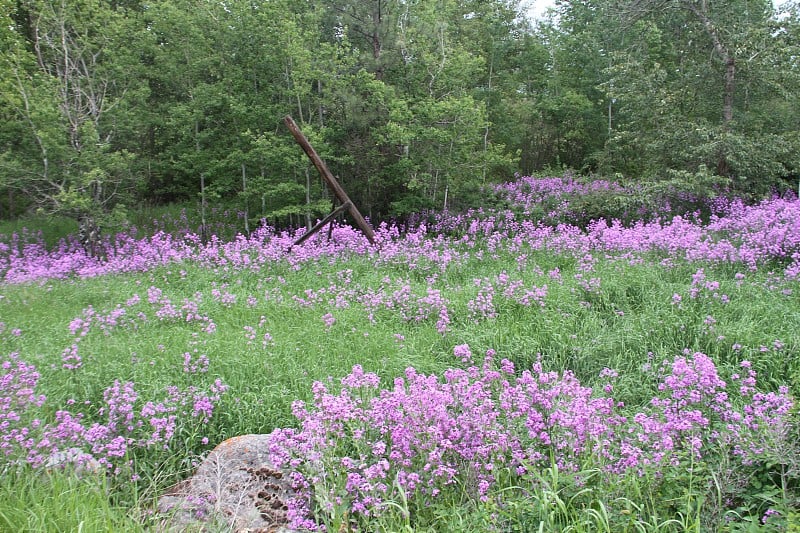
(61, 501)
(627, 324)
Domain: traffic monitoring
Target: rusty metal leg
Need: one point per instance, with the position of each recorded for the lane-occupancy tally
(307, 235)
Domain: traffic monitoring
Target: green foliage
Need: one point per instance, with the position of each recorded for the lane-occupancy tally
(691, 87)
(72, 75)
(51, 229)
(413, 104)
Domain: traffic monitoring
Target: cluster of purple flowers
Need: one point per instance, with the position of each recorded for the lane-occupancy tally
(499, 290)
(358, 445)
(124, 421)
(527, 192)
(397, 296)
(737, 233)
(195, 365)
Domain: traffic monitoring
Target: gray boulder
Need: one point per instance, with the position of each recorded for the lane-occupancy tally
(235, 488)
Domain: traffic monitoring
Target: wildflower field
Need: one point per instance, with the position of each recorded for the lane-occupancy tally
(527, 367)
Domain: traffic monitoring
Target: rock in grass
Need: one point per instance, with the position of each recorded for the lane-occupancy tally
(81, 462)
(235, 487)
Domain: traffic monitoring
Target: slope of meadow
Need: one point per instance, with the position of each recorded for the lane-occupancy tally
(500, 370)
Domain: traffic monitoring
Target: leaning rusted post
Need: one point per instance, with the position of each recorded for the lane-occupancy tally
(330, 180)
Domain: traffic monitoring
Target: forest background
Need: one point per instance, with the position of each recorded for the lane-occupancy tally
(414, 104)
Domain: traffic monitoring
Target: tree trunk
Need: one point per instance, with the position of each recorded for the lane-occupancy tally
(263, 197)
(308, 200)
(730, 86)
(320, 110)
(729, 83)
(377, 18)
(203, 229)
(246, 202)
(486, 130)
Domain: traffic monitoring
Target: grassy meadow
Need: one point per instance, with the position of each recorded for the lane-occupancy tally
(656, 358)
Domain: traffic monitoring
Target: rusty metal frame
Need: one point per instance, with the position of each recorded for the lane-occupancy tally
(333, 185)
